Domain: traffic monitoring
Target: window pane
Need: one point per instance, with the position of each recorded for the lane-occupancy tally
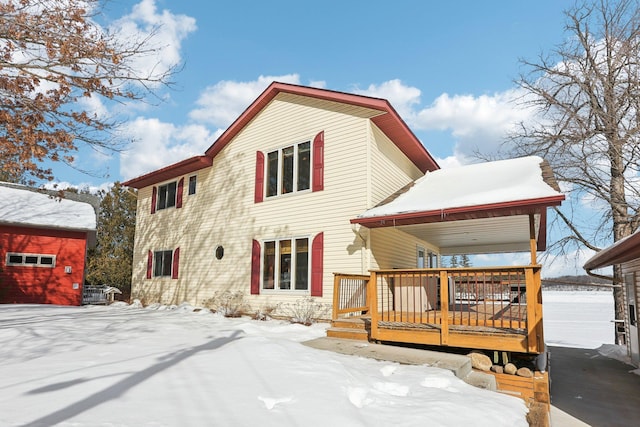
(269, 266)
(15, 259)
(166, 263)
(302, 264)
(30, 259)
(285, 264)
(192, 184)
(171, 194)
(162, 197)
(287, 170)
(272, 173)
(304, 165)
(46, 260)
(157, 263)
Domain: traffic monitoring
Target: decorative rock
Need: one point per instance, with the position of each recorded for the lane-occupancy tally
(524, 372)
(510, 369)
(480, 361)
(497, 369)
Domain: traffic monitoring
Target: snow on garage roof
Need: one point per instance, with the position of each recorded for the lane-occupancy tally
(485, 184)
(20, 205)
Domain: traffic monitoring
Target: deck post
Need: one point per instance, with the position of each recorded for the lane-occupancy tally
(336, 296)
(532, 311)
(444, 307)
(372, 302)
(532, 239)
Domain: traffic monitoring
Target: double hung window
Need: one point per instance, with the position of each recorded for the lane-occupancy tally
(289, 169)
(162, 263)
(285, 265)
(167, 195)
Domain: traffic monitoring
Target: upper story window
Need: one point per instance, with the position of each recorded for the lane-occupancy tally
(31, 260)
(192, 184)
(289, 169)
(167, 195)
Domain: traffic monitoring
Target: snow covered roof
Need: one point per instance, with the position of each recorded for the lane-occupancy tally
(500, 183)
(25, 206)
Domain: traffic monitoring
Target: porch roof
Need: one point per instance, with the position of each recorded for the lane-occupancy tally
(480, 208)
(622, 251)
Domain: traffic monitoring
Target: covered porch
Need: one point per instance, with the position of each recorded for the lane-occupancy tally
(491, 208)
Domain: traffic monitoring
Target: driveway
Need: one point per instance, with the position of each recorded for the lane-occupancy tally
(592, 388)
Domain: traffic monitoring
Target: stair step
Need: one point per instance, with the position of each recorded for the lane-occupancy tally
(349, 324)
(348, 333)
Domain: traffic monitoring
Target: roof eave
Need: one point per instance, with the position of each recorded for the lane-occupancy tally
(619, 253)
(516, 207)
(184, 167)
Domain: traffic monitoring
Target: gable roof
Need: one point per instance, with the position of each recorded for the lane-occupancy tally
(29, 207)
(388, 121)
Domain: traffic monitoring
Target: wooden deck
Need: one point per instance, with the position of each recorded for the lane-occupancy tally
(491, 309)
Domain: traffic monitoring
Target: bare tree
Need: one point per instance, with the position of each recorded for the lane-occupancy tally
(55, 61)
(586, 95)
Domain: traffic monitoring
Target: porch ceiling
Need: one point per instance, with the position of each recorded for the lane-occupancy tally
(483, 235)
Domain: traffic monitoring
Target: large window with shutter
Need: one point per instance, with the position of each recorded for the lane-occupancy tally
(289, 169)
(294, 168)
(288, 265)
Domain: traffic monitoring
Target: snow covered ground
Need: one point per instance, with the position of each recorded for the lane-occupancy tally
(127, 366)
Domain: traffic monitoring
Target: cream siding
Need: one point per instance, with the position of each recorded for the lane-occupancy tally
(361, 167)
(392, 248)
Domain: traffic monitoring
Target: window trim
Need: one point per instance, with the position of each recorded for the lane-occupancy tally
(295, 172)
(24, 255)
(293, 261)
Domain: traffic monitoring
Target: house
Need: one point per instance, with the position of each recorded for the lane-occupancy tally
(626, 253)
(309, 182)
(43, 245)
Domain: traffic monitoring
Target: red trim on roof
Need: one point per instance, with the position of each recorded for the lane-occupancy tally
(516, 207)
(620, 252)
(390, 123)
(184, 167)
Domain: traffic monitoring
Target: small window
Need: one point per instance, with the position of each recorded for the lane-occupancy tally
(31, 259)
(219, 252)
(192, 184)
(167, 195)
(162, 262)
(14, 259)
(46, 260)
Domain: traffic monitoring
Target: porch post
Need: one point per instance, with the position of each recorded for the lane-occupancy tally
(532, 239)
(444, 307)
(372, 301)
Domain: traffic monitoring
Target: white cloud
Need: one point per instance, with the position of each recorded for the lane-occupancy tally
(403, 98)
(223, 102)
(167, 31)
(158, 144)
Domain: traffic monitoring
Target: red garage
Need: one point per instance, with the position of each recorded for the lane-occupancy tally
(43, 245)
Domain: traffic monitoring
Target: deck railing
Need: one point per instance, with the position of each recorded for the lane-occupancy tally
(502, 302)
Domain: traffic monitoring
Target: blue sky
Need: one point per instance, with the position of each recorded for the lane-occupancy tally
(447, 67)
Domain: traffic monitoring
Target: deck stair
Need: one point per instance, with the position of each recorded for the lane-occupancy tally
(354, 328)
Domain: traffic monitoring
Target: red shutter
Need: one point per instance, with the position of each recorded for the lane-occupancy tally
(150, 261)
(179, 193)
(317, 249)
(255, 268)
(318, 162)
(154, 195)
(259, 189)
(175, 263)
